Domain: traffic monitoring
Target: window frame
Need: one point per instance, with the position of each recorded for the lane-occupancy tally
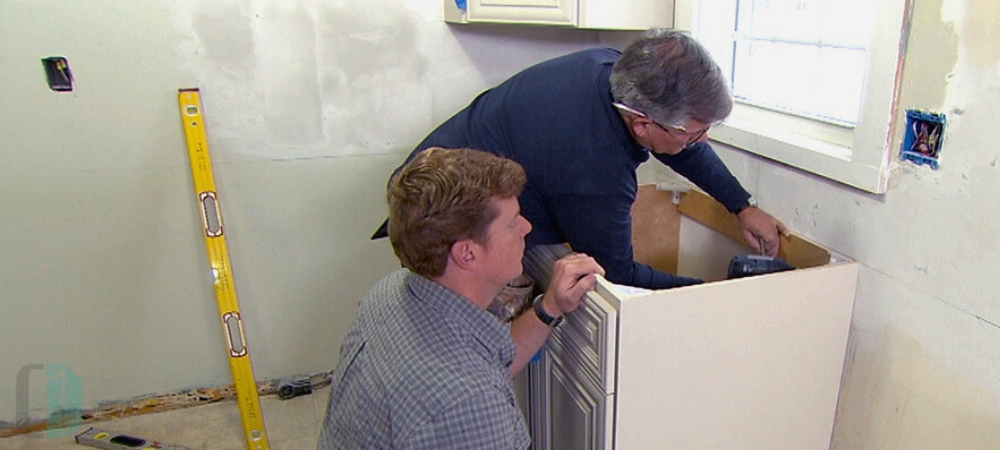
(858, 156)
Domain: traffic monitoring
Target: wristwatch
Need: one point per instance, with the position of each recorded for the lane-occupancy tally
(552, 322)
(751, 202)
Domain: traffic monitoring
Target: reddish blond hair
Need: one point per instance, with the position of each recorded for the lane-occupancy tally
(445, 195)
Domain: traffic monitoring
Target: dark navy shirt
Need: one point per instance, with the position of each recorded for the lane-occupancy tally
(556, 119)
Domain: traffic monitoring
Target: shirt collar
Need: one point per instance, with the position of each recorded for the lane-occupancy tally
(637, 153)
(485, 328)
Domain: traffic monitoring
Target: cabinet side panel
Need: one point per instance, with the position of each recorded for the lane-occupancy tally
(748, 363)
(704, 252)
(452, 14)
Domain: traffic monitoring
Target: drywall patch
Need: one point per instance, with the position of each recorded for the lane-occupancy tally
(982, 33)
(225, 31)
(931, 55)
(382, 97)
(293, 108)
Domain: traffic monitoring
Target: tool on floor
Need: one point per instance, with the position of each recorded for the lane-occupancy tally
(225, 293)
(107, 440)
(295, 388)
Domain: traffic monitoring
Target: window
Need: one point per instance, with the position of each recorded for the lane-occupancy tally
(815, 81)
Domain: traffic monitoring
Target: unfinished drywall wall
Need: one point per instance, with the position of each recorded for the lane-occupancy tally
(309, 105)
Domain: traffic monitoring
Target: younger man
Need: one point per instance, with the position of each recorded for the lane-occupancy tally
(425, 366)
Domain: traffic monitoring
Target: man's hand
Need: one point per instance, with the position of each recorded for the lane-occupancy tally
(572, 276)
(761, 230)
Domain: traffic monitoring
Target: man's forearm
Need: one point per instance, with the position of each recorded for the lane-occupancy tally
(529, 334)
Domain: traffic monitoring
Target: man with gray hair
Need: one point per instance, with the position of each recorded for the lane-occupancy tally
(581, 124)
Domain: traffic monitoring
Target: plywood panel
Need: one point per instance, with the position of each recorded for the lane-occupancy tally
(656, 226)
(795, 250)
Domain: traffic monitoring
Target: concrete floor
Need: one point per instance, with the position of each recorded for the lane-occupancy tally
(290, 424)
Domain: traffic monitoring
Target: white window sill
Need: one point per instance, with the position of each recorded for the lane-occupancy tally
(812, 155)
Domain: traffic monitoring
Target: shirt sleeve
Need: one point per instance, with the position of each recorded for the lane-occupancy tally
(479, 422)
(699, 164)
(601, 226)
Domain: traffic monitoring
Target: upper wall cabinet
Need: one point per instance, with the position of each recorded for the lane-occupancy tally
(589, 14)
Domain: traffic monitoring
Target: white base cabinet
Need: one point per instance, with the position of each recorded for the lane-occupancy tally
(748, 363)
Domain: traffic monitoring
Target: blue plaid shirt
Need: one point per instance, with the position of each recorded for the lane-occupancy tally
(423, 368)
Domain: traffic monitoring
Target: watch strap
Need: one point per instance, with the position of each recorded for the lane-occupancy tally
(552, 322)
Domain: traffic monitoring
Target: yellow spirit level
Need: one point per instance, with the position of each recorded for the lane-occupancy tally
(113, 441)
(225, 293)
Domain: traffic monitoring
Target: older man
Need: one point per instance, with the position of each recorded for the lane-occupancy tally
(581, 124)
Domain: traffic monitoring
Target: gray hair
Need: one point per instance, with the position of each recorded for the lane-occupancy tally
(669, 76)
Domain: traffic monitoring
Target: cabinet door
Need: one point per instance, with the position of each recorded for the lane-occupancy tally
(551, 12)
(522, 392)
(635, 15)
(573, 412)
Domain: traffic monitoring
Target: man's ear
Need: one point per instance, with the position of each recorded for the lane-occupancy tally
(463, 253)
(639, 126)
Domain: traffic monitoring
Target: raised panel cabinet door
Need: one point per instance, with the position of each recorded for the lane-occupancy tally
(522, 392)
(573, 411)
(636, 15)
(551, 12)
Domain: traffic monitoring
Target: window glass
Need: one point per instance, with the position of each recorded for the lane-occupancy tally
(814, 80)
(805, 57)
